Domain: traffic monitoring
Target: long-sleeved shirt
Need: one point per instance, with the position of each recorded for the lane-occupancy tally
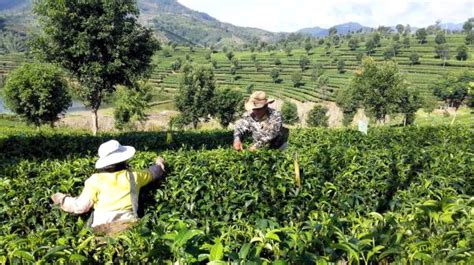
(110, 195)
(266, 132)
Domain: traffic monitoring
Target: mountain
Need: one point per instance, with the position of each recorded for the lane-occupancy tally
(452, 26)
(170, 21)
(175, 22)
(342, 29)
(13, 4)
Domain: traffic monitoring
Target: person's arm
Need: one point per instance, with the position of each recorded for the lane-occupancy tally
(77, 205)
(241, 128)
(271, 131)
(158, 169)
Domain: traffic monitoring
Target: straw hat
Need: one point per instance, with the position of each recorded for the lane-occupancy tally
(112, 152)
(259, 99)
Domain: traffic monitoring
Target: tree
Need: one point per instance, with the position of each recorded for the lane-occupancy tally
(429, 103)
(253, 57)
(406, 42)
(378, 86)
(332, 31)
(442, 52)
(462, 53)
(468, 25)
(289, 111)
(37, 92)
(229, 105)
(341, 65)
(370, 46)
(347, 100)
(101, 49)
(131, 105)
(277, 61)
(421, 35)
(229, 55)
(414, 58)
(440, 38)
(304, 62)
(376, 39)
(195, 94)
(353, 43)
(308, 46)
(176, 65)
(317, 117)
(288, 51)
(470, 38)
(453, 89)
(400, 28)
(296, 78)
(275, 73)
(318, 70)
(409, 103)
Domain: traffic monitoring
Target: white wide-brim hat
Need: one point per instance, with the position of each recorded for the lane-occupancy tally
(112, 152)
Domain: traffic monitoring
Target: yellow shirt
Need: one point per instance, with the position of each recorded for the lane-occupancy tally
(111, 191)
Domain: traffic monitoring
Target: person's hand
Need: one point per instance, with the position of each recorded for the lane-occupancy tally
(252, 148)
(238, 145)
(161, 162)
(58, 197)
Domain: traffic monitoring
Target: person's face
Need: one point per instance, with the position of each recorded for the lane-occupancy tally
(259, 113)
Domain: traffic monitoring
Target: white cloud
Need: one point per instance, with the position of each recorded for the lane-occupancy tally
(292, 15)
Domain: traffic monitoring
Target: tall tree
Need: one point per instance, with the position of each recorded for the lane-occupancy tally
(378, 86)
(453, 89)
(400, 28)
(421, 35)
(37, 92)
(289, 112)
(229, 104)
(196, 92)
(99, 42)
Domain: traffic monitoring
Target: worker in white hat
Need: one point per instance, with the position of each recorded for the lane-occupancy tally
(113, 191)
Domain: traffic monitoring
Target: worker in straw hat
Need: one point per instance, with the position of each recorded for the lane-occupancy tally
(113, 190)
(264, 123)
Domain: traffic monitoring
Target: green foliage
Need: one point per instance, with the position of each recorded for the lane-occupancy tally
(353, 43)
(296, 78)
(131, 105)
(440, 38)
(442, 51)
(421, 35)
(348, 102)
(229, 105)
(37, 92)
(317, 117)
(453, 89)
(275, 74)
(396, 195)
(196, 91)
(101, 49)
(429, 103)
(462, 53)
(414, 58)
(13, 42)
(341, 66)
(289, 112)
(176, 65)
(379, 87)
(410, 102)
(470, 38)
(304, 62)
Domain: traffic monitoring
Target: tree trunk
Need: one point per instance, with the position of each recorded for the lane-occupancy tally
(95, 122)
(454, 118)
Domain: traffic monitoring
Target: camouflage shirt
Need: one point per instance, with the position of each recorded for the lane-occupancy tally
(267, 132)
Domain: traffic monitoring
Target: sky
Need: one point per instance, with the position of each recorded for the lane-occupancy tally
(292, 15)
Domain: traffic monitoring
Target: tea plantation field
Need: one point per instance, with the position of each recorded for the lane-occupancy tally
(254, 68)
(396, 195)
